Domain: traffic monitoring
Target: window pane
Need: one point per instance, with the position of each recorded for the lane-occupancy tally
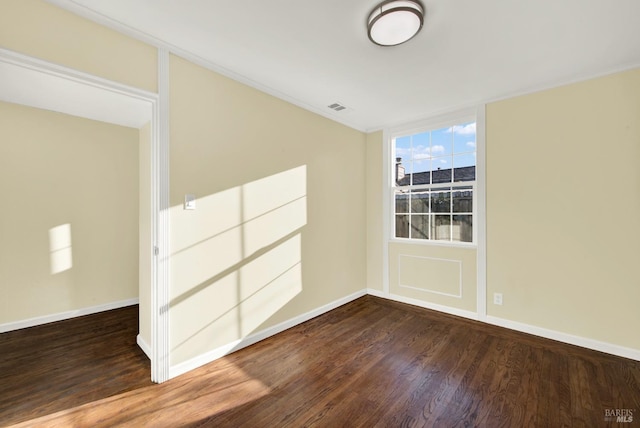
(462, 228)
(462, 199)
(421, 146)
(441, 169)
(441, 201)
(464, 137)
(420, 201)
(464, 167)
(441, 227)
(402, 175)
(420, 171)
(402, 168)
(402, 226)
(466, 159)
(420, 227)
(403, 147)
(440, 157)
(441, 142)
(402, 203)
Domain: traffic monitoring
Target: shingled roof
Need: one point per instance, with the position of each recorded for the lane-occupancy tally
(465, 173)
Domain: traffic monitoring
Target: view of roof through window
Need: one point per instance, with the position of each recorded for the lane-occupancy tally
(434, 156)
(430, 203)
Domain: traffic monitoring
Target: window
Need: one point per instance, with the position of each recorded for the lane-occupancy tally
(434, 184)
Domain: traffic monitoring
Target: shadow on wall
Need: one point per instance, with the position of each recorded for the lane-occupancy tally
(237, 260)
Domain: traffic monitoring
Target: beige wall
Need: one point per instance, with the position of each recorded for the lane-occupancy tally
(69, 223)
(563, 202)
(36, 28)
(434, 274)
(279, 228)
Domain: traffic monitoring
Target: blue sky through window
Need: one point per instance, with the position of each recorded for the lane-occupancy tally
(444, 148)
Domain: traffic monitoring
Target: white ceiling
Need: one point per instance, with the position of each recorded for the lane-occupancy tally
(314, 53)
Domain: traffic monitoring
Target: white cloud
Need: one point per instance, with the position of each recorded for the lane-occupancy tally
(420, 152)
(424, 152)
(437, 149)
(471, 144)
(469, 129)
(403, 153)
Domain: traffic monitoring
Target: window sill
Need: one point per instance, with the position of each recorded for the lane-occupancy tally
(429, 243)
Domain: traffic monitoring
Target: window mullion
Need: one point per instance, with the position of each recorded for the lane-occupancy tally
(453, 177)
(451, 210)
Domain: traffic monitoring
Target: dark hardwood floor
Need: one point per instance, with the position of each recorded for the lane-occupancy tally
(370, 363)
(62, 365)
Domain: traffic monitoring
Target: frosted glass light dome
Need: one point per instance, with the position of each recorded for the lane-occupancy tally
(394, 22)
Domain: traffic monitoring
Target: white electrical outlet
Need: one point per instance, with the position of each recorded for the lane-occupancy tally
(497, 298)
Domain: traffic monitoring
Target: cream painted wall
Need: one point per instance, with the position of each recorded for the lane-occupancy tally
(435, 274)
(374, 211)
(563, 202)
(36, 28)
(279, 228)
(145, 251)
(69, 218)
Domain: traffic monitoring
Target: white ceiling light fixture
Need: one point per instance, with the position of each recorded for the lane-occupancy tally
(393, 22)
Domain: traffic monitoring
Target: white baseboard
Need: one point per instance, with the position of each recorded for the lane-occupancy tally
(31, 322)
(221, 351)
(583, 342)
(421, 303)
(144, 346)
(377, 293)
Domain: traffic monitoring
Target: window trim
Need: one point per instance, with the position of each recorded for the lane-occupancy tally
(481, 203)
(476, 115)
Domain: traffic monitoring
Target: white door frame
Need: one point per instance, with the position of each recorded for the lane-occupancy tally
(158, 116)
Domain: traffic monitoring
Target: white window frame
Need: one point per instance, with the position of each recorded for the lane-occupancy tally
(442, 121)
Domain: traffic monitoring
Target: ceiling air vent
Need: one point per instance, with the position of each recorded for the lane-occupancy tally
(337, 107)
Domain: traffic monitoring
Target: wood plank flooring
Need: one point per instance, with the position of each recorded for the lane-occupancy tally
(370, 363)
(62, 365)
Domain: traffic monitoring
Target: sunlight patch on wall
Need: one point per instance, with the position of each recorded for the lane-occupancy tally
(208, 240)
(60, 253)
(268, 282)
(273, 207)
(237, 260)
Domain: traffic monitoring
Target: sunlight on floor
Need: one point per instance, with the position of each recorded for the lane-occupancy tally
(174, 403)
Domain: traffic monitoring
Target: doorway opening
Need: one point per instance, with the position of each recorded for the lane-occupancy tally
(34, 83)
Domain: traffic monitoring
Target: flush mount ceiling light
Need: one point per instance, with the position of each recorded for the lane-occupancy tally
(393, 22)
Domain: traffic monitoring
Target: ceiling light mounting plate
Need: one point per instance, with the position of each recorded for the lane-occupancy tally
(394, 22)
